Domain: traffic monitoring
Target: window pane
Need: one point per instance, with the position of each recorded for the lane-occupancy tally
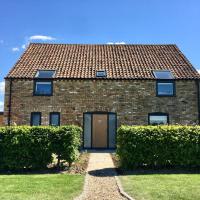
(35, 119)
(165, 88)
(45, 74)
(43, 88)
(163, 74)
(101, 73)
(87, 130)
(112, 130)
(55, 119)
(157, 119)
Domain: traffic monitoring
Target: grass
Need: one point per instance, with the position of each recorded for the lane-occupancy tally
(162, 186)
(40, 187)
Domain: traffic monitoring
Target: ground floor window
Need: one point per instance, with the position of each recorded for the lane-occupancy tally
(158, 119)
(35, 119)
(54, 119)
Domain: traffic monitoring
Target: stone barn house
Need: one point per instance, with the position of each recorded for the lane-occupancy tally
(1, 119)
(101, 87)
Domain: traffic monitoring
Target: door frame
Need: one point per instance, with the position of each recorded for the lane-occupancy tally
(101, 113)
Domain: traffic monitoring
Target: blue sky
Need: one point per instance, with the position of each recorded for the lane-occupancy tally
(92, 21)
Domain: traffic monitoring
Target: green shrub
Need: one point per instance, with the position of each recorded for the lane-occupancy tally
(158, 146)
(65, 144)
(26, 147)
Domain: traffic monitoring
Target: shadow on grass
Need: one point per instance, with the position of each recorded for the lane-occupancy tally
(110, 172)
(158, 171)
(31, 172)
(145, 170)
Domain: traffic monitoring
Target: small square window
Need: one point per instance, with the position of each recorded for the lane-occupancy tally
(45, 74)
(163, 74)
(158, 119)
(54, 119)
(43, 88)
(35, 119)
(165, 88)
(101, 73)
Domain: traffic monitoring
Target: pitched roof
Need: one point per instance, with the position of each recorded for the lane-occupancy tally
(119, 61)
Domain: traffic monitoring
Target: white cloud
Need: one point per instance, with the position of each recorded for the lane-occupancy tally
(41, 37)
(1, 106)
(2, 87)
(198, 70)
(14, 49)
(117, 43)
(23, 46)
(36, 37)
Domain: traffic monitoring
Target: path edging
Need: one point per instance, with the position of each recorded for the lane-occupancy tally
(118, 183)
(81, 196)
(121, 190)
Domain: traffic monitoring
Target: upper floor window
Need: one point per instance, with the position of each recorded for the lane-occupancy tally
(163, 74)
(158, 119)
(45, 74)
(43, 85)
(165, 88)
(43, 88)
(54, 119)
(35, 119)
(165, 85)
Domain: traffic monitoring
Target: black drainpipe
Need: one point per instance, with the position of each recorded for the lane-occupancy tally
(198, 100)
(9, 105)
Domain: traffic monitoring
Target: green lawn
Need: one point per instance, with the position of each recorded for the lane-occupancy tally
(40, 187)
(162, 187)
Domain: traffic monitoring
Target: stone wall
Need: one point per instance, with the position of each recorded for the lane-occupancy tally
(1, 119)
(132, 100)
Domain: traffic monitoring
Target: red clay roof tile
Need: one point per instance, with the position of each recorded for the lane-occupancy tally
(119, 61)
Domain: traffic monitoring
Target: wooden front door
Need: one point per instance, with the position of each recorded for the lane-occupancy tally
(99, 132)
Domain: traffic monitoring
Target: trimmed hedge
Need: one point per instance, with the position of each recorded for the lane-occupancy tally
(158, 146)
(65, 143)
(26, 147)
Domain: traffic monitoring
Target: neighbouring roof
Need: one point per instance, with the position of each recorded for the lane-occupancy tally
(120, 61)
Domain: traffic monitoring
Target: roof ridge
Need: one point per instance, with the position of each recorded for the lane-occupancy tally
(102, 44)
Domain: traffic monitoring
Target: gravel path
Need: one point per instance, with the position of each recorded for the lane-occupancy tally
(100, 182)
